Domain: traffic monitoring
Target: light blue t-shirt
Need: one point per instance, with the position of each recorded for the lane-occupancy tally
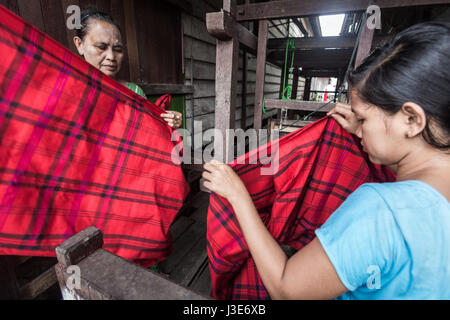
(391, 241)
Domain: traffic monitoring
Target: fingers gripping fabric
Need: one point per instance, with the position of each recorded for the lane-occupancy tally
(313, 171)
(79, 149)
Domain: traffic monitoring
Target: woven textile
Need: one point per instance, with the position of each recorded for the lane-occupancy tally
(317, 168)
(79, 149)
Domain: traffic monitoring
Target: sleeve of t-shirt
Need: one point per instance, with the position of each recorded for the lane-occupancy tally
(361, 238)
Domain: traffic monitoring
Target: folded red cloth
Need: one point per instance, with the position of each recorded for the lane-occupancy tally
(79, 149)
(317, 168)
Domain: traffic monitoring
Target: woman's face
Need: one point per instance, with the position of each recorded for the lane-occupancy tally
(382, 134)
(102, 47)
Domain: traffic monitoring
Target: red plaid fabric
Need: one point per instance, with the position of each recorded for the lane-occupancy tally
(318, 167)
(78, 149)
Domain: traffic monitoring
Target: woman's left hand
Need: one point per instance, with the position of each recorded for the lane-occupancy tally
(173, 118)
(220, 178)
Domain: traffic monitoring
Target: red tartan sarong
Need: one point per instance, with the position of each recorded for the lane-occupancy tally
(79, 149)
(319, 166)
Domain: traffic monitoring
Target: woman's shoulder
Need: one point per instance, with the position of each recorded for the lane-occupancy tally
(411, 193)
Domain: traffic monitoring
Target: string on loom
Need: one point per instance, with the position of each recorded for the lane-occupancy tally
(341, 87)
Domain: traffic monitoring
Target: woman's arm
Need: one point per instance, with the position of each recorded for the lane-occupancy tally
(308, 274)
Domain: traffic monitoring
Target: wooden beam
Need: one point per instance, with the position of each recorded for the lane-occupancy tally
(260, 73)
(223, 26)
(333, 73)
(299, 24)
(315, 24)
(38, 285)
(298, 105)
(295, 8)
(342, 42)
(152, 89)
(315, 55)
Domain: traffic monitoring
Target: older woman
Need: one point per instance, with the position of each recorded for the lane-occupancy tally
(387, 240)
(99, 41)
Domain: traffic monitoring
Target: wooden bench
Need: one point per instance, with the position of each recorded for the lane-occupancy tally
(103, 275)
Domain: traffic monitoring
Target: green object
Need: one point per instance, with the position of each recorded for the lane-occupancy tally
(287, 87)
(155, 268)
(135, 88)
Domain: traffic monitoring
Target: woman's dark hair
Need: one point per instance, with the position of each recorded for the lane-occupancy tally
(413, 67)
(88, 16)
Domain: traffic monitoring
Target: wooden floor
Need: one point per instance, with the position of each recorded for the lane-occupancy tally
(188, 263)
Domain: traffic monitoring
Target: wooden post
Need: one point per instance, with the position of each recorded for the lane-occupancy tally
(294, 92)
(307, 91)
(227, 59)
(365, 44)
(260, 73)
(294, 86)
(244, 91)
(132, 45)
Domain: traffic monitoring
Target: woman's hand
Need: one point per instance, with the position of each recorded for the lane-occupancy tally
(222, 180)
(173, 118)
(344, 115)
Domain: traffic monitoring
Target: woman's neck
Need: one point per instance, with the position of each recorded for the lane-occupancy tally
(430, 166)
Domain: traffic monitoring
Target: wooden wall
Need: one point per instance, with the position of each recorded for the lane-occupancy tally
(200, 49)
(151, 31)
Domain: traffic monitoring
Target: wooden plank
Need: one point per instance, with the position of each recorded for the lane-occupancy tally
(183, 247)
(107, 276)
(260, 73)
(202, 281)
(342, 42)
(310, 57)
(160, 89)
(31, 11)
(8, 283)
(180, 226)
(132, 45)
(298, 105)
(295, 8)
(39, 285)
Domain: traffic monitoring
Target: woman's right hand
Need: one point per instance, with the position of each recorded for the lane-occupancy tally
(344, 115)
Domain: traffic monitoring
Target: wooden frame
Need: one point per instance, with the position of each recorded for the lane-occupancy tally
(295, 8)
(105, 276)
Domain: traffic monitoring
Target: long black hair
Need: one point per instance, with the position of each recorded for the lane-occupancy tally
(413, 67)
(88, 16)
